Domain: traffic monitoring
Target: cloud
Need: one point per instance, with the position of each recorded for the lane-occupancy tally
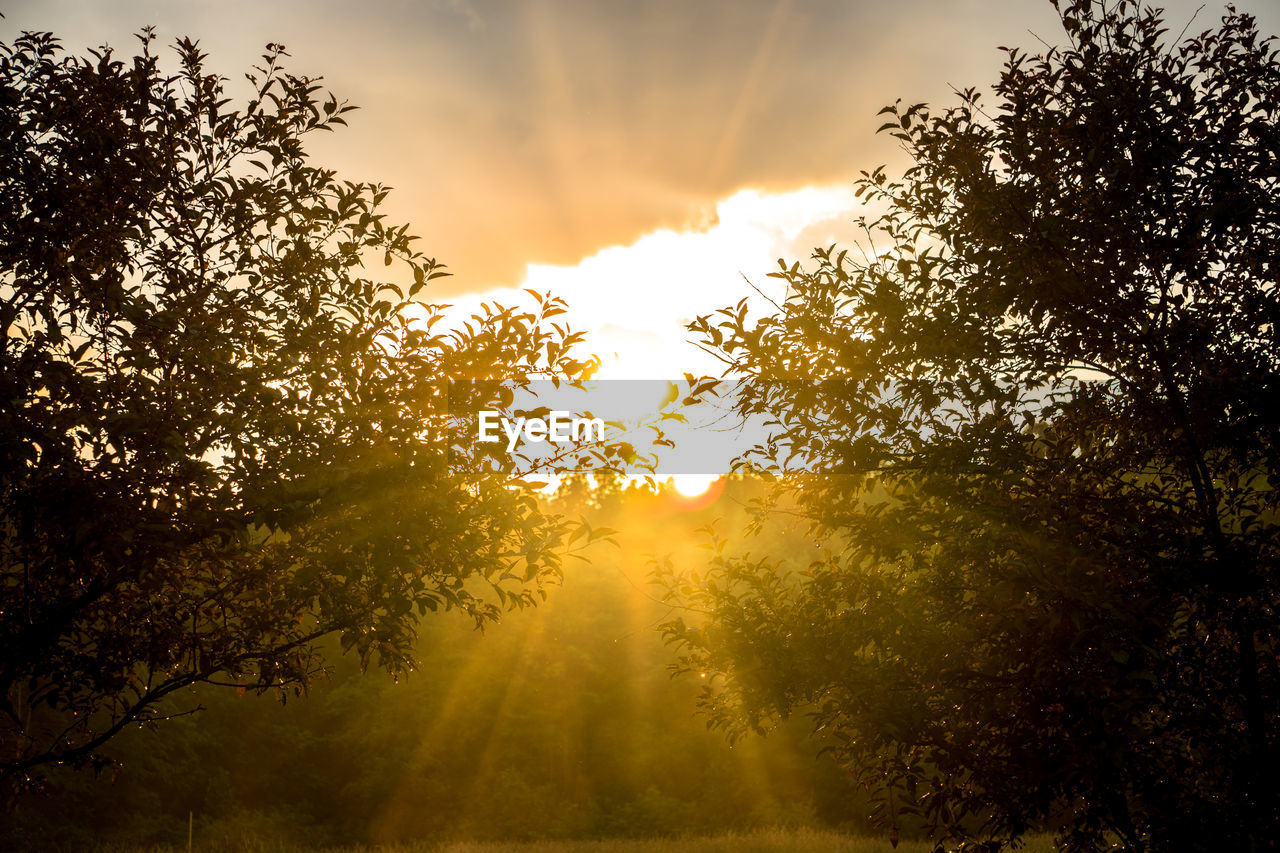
(636, 299)
(475, 21)
(539, 132)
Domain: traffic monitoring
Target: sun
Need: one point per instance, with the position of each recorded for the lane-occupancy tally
(693, 485)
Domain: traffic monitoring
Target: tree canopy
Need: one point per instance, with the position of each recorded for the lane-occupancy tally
(224, 426)
(1034, 416)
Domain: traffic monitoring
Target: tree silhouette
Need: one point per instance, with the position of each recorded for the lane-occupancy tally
(1043, 407)
(223, 434)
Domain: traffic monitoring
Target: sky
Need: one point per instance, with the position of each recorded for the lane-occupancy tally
(647, 160)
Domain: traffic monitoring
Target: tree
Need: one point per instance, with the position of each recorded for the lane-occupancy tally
(1040, 416)
(224, 436)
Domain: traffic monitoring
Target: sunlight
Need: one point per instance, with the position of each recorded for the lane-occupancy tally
(695, 492)
(637, 299)
(693, 485)
(509, 657)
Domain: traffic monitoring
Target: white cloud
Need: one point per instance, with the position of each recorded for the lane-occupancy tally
(634, 301)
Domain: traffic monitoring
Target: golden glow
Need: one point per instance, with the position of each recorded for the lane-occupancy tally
(688, 498)
(693, 485)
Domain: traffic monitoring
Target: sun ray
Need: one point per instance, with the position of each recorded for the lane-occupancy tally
(728, 141)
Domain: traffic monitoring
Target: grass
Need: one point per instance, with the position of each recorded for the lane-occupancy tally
(768, 841)
(763, 841)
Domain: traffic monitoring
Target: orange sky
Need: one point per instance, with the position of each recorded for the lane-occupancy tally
(543, 133)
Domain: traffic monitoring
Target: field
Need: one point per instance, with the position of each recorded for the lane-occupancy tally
(773, 841)
(759, 842)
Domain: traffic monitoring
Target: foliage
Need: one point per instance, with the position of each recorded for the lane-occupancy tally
(1042, 407)
(223, 411)
(558, 722)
